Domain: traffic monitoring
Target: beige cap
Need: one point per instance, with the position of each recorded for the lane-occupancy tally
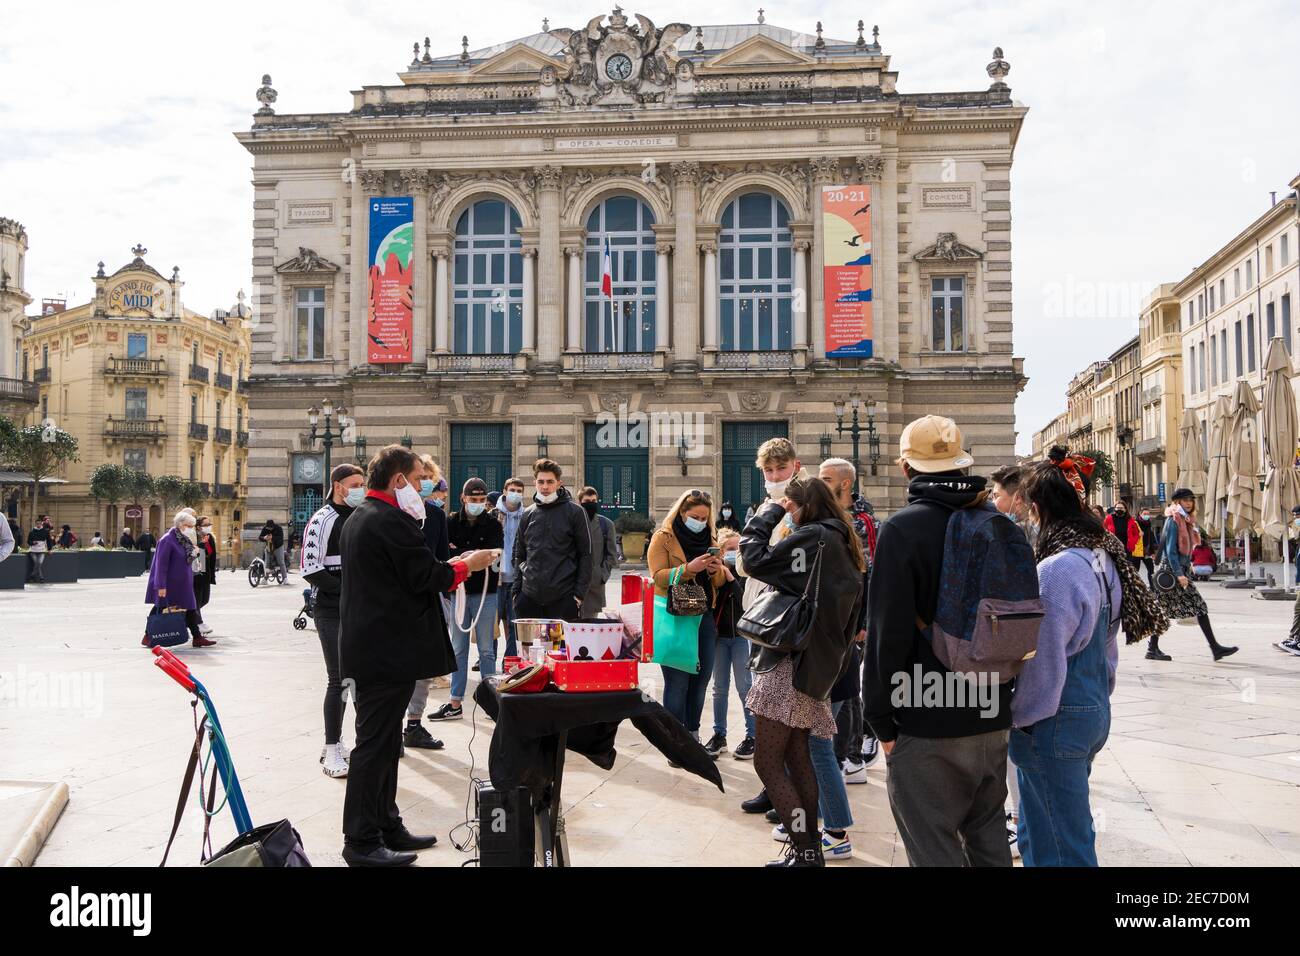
(932, 444)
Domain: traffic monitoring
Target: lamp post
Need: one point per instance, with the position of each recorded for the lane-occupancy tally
(683, 453)
(825, 442)
(360, 456)
(543, 446)
(856, 431)
(327, 435)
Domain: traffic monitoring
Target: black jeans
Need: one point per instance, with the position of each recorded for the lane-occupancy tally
(202, 594)
(565, 608)
(327, 629)
(370, 804)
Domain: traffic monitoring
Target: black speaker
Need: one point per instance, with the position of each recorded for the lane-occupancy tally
(505, 826)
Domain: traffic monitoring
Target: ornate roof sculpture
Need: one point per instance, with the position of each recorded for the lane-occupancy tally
(947, 248)
(307, 260)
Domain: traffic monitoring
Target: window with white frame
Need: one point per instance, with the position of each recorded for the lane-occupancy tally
(623, 321)
(756, 277)
(488, 280)
(309, 323)
(137, 403)
(948, 313)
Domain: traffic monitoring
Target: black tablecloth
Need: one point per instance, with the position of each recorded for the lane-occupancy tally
(528, 726)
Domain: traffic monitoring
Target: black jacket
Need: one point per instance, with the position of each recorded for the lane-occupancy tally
(728, 609)
(391, 628)
(322, 561)
(552, 557)
(475, 534)
(839, 595)
(905, 586)
(435, 532)
(277, 536)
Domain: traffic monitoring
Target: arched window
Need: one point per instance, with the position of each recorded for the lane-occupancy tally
(756, 278)
(624, 319)
(488, 280)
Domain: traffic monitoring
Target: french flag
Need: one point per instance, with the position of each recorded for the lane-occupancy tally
(607, 274)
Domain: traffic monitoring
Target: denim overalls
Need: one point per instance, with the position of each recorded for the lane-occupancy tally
(1053, 757)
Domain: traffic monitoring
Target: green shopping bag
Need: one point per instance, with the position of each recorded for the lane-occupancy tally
(676, 639)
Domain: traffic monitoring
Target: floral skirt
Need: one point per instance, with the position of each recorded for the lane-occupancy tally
(773, 696)
(1182, 602)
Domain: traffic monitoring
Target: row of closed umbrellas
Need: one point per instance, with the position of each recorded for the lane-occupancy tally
(1242, 443)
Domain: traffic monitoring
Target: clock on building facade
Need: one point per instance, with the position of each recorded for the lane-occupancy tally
(618, 67)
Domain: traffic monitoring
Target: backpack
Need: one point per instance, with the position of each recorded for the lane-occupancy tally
(989, 609)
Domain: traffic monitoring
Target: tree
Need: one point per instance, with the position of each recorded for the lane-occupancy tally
(167, 489)
(1103, 473)
(191, 494)
(41, 450)
(110, 483)
(139, 489)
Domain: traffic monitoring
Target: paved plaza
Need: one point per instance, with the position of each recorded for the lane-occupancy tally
(1202, 767)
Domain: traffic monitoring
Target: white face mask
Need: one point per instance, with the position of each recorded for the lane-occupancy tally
(547, 499)
(776, 489)
(409, 500)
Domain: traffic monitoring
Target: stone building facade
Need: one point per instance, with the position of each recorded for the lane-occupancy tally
(701, 157)
(1162, 397)
(18, 394)
(144, 382)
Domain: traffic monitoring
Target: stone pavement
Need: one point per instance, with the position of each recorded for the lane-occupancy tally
(1202, 767)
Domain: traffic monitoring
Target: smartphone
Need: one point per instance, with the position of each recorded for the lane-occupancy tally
(715, 551)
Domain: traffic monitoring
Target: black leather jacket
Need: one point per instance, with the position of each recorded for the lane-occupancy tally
(839, 600)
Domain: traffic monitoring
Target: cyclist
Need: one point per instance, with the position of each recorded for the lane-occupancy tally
(273, 536)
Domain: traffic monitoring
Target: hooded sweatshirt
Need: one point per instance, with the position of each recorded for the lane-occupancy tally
(904, 586)
(552, 555)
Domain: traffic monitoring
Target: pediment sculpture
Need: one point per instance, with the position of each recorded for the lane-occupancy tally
(619, 63)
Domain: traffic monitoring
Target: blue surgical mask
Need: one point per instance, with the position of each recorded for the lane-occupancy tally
(788, 521)
(696, 525)
(730, 557)
(426, 487)
(514, 497)
(439, 502)
(475, 508)
(355, 496)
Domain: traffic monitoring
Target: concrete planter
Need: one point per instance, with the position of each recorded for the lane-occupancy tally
(61, 567)
(633, 543)
(13, 572)
(111, 564)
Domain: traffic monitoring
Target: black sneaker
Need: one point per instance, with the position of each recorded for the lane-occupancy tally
(420, 739)
(447, 712)
(716, 746)
(772, 817)
(745, 751)
(758, 804)
(870, 751)
(474, 667)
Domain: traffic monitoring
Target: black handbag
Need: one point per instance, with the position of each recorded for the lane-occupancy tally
(1164, 579)
(783, 622)
(687, 599)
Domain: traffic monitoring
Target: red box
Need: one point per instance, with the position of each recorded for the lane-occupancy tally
(594, 676)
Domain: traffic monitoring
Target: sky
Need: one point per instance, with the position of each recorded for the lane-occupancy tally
(1155, 131)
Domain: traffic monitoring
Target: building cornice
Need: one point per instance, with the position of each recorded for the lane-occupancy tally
(1284, 209)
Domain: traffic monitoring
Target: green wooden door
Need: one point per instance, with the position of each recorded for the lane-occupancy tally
(478, 451)
(620, 474)
(742, 482)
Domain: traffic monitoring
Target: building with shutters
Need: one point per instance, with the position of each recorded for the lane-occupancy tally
(785, 228)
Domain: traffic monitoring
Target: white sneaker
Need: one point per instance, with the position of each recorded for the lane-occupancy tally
(205, 629)
(833, 849)
(854, 771)
(333, 762)
(1013, 841)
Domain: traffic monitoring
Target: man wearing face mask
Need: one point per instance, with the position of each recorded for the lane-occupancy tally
(604, 551)
(470, 529)
(322, 568)
(552, 557)
(433, 490)
(510, 509)
(392, 634)
(273, 536)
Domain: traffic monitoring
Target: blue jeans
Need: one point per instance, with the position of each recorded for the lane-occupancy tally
(683, 692)
(485, 634)
(832, 797)
(507, 613)
(732, 656)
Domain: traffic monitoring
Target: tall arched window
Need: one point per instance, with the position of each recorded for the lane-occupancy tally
(488, 280)
(624, 319)
(756, 278)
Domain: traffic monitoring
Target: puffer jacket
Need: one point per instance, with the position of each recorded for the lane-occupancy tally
(839, 600)
(552, 556)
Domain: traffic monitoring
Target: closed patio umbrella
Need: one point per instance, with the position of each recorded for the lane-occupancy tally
(1281, 430)
(1242, 446)
(1216, 476)
(1191, 457)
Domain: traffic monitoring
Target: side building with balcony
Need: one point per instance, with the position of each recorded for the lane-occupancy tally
(1160, 438)
(18, 393)
(143, 382)
(726, 173)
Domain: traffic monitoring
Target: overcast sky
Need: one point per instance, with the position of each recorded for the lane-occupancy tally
(1155, 131)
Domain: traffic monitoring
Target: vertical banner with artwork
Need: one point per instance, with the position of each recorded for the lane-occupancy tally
(389, 322)
(846, 270)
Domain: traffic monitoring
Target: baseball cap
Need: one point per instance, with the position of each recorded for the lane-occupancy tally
(474, 486)
(933, 444)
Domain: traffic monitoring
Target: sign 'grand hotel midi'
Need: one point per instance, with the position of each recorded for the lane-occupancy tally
(783, 229)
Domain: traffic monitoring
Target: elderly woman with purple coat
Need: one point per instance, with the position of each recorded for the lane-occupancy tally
(171, 578)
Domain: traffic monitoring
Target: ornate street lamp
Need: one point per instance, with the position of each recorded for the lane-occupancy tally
(856, 431)
(361, 457)
(327, 435)
(543, 446)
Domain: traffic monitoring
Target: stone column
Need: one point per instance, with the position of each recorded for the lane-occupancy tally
(825, 172)
(886, 275)
(802, 294)
(441, 302)
(550, 328)
(416, 183)
(369, 182)
(686, 287)
(530, 300)
(663, 298)
(574, 255)
(710, 250)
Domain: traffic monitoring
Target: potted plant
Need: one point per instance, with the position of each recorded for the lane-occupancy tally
(633, 529)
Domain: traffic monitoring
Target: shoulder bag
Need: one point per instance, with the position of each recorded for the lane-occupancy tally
(686, 598)
(783, 622)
